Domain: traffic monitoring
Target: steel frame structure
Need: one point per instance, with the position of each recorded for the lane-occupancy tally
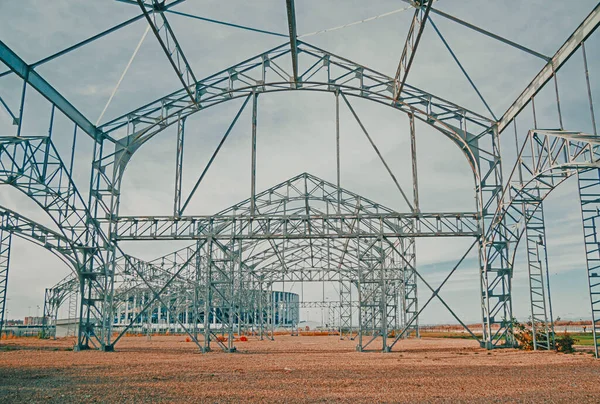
(304, 229)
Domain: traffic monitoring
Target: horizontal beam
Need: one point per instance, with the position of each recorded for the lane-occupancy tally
(265, 227)
(587, 27)
(23, 70)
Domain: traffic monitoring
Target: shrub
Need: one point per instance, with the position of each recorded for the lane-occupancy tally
(564, 343)
(524, 335)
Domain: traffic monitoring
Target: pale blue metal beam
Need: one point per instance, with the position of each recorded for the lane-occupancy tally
(170, 46)
(13, 116)
(585, 29)
(490, 34)
(291, 13)
(228, 24)
(412, 42)
(168, 7)
(80, 44)
(23, 70)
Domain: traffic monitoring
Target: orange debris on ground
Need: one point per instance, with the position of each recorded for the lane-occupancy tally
(291, 369)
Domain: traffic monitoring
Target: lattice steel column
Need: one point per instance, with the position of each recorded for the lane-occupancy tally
(410, 302)
(220, 299)
(589, 193)
(72, 328)
(373, 299)
(46, 313)
(179, 166)
(537, 259)
(410, 253)
(207, 297)
(345, 309)
(5, 243)
(495, 268)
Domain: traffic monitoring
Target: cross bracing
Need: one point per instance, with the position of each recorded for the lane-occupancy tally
(305, 229)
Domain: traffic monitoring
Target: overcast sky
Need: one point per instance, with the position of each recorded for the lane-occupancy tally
(296, 130)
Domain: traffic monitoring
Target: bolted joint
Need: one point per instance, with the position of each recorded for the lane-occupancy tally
(108, 348)
(81, 347)
(158, 5)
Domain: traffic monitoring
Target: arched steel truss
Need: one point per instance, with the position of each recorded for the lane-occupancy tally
(266, 238)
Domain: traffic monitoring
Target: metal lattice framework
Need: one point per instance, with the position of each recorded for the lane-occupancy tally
(305, 229)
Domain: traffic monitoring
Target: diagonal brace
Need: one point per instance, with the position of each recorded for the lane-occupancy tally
(171, 47)
(412, 42)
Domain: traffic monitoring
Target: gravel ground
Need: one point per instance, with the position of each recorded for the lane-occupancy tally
(292, 369)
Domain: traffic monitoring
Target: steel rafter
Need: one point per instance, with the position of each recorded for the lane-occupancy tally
(587, 27)
(422, 9)
(35, 80)
(170, 45)
(291, 15)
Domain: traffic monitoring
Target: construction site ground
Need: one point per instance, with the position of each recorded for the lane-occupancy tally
(292, 369)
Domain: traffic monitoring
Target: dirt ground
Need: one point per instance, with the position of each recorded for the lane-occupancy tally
(292, 369)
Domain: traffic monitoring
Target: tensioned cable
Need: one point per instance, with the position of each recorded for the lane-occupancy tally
(137, 48)
(356, 22)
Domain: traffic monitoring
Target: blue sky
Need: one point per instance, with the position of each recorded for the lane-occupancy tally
(296, 131)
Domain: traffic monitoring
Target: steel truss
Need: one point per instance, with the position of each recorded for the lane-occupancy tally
(304, 229)
(326, 72)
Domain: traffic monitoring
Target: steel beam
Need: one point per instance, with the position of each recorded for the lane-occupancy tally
(171, 47)
(5, 243)
(179, 166)
(587, 27)
(490, 34)
(410, 45)
(276, 226)
(253, 156)
(291, 14)
(31, 77)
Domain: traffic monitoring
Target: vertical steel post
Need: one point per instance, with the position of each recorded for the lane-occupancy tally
(5, 243)
(337, 149)
(253, 168)
(411, 252)
(589, 89)
(560, 120)
(413, 152)
(22, 105)
(208, 296)
(179, 166)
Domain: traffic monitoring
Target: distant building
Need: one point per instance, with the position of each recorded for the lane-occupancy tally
(30, 320)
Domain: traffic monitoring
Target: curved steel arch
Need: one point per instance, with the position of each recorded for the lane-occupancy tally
(369, 84)
(34, 167)
(13, 223)
(546, 159)
(29, 230)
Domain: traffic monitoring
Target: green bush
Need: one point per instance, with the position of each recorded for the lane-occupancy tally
(564, 343)
(524, 335)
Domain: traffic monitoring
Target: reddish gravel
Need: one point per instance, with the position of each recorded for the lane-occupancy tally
(292, 369)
